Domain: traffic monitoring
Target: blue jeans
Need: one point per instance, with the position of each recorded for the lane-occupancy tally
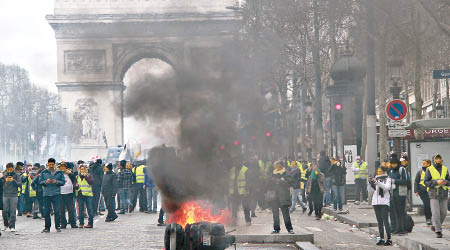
(49, 202)
(152, 197)
(338, 193)
(21, 203)
(296, 199)
(124, 199)
(85, 201)
(327, 196)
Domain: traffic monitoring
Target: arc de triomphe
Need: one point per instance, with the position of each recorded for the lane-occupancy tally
(98, 40)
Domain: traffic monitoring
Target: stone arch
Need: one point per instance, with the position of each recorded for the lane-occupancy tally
(132, 55)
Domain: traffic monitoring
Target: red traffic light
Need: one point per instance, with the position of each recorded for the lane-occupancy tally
(253, 138)
(236, 143)
(222, 147)
(338, 107)
(268, 134)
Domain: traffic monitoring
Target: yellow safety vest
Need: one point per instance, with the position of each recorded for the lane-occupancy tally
(140, 174)
(264, 168)
(84, 187)
(435, 175)
(362, 174)
(22, 189)
(241, 180)
(31, 191)
(303, 171)
(422, 178)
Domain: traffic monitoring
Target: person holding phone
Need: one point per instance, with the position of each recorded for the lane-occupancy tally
(381, 186)
(52, 179)
(11, 183)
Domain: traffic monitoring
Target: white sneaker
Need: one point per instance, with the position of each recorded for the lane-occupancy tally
(13, 230)
(5, 229)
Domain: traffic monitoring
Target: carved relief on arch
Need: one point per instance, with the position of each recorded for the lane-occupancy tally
(125, 55)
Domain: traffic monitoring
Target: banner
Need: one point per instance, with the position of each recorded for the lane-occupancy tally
(350, 154)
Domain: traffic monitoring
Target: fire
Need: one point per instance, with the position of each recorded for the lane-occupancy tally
(192, 212)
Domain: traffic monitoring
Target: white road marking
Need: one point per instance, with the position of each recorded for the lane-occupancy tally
(315, 229)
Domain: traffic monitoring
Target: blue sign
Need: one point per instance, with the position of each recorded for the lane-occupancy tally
(441, 74)
(396, 110)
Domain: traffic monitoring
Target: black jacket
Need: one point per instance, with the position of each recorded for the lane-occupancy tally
(109, 184)
(338, 174)
(417, 187)
(400, 178)
(324, 165)
(97, 172)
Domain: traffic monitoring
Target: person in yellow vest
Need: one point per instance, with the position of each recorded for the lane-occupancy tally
(139, 187)
(84, 196)
(264, 169)
(31, 193)
(23, 177)
(360, 171)
(437, 179)
(239, 193)
(421, 190)
(28, 205)
(296, 175)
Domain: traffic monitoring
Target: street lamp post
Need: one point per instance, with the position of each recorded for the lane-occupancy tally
(395, 67)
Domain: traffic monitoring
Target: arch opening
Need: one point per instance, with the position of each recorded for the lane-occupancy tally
(150, 115)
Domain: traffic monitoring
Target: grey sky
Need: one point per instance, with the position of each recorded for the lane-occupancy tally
(27, 39)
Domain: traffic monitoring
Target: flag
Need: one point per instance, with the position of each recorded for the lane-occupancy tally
(139, 153)
(123, 154)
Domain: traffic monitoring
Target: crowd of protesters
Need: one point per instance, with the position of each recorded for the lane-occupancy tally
(73, 192)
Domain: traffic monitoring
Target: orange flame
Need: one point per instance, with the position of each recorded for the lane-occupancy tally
(192, 212)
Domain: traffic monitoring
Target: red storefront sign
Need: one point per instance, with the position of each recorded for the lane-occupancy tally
(428, 134)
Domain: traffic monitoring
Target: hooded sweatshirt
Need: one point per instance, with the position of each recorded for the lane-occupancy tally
(381, 188)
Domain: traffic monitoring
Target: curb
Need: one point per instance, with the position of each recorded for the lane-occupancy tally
(305, 246)
(347, 219)
(404, 242)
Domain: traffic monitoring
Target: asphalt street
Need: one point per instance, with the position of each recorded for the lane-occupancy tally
(139, 231)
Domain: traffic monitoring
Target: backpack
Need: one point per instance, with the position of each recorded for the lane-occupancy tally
(409, 223)
(408, 177)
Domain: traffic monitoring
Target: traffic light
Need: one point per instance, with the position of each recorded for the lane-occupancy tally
(338, 107)
(236, 143)
(268, 134)
(253, 138)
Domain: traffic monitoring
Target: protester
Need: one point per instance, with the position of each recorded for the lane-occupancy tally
(125, 182)
(39, 191)
(420, 189)
(315, 187)
(109, 190)
(296, 177)
(23, 178)
(151, 192)
(437, 180)
(11, 182)
(399, 192)
(52, 179)
(381, 186)
(25, 190)
(337, 173)
(67, 197)
(97, 173)
(239, 192)
(280, 183)
(32, 204)
(138, 187)
(324, 166)
(85, 195)
(359, 170)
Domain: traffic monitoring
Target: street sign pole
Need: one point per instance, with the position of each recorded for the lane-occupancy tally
(396, 111)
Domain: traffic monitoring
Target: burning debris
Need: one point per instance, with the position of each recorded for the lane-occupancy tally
(193, 212)
(197, 236)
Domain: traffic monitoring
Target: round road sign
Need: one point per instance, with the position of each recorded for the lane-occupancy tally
(396, 110)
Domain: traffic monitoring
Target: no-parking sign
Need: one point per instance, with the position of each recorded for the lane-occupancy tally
(396, 110)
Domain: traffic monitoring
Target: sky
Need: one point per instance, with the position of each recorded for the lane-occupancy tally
(28, 40)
